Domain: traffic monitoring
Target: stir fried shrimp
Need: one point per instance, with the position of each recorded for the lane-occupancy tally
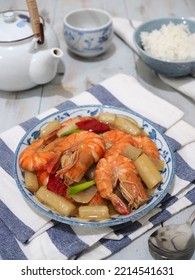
(148, 146)
(114, 136)
(86, 163)
(117, 168)
(106, 180)
(118, 148)
(83, 149)
(130, 185)
(33, 158)
(81, 160)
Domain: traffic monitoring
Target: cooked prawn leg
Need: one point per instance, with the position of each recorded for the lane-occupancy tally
(118, 204)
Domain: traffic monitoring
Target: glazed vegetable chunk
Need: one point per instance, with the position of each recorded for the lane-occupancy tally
(96, 212)
(31, 181)
(148, 172)
(56, 202)
(125, 124)
(85, 196)
(52, 126)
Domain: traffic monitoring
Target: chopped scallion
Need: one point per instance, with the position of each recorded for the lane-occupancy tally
(71, 132)
(80, 187)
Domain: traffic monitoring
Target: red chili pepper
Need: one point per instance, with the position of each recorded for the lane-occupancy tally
(93, 125)
(56, 185)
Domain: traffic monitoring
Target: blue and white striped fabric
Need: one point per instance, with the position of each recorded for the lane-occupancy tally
(25, 234)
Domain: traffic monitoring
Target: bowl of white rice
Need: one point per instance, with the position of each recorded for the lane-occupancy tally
(167, 45)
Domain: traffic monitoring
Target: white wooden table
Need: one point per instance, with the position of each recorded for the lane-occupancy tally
(76, 75)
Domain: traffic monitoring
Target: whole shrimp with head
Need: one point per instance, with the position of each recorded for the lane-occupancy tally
(118, 137)
(34, 158)
(74, 153)
(117, 170)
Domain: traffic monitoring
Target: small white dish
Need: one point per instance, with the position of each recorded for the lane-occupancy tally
(92, 110)
(88, 32)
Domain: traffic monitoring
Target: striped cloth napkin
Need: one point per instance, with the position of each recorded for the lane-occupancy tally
(124, 28)
(26, 234)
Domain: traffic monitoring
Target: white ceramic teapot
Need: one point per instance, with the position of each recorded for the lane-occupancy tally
(25, 61)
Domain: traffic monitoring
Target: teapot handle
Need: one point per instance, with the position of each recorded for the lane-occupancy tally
(37, 26)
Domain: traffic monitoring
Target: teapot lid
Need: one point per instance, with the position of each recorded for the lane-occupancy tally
(15, 26)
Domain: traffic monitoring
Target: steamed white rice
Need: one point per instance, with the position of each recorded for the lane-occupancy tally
(172, 42)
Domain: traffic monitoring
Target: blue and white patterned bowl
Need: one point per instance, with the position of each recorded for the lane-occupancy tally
(88, 32)
(165, 67)
(92, 110)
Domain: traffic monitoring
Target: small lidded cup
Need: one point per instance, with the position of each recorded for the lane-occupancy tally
(88, 32)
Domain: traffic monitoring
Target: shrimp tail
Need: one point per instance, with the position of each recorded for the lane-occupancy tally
(43, 177)
(118, 204)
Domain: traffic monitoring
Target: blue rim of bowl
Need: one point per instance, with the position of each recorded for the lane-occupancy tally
(110, 222)
(137, 31)
(88, 30)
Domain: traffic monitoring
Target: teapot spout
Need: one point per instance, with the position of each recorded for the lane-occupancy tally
(43, 66)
